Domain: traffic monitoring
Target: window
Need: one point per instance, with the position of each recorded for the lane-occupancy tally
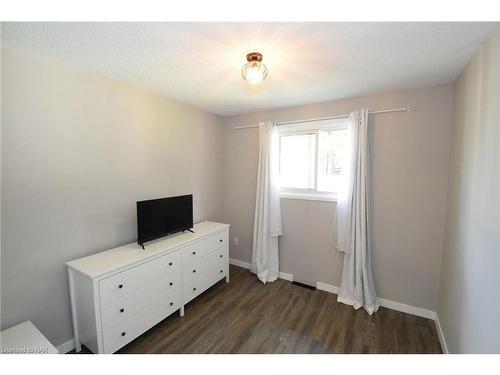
(297, 160)
(312, 159)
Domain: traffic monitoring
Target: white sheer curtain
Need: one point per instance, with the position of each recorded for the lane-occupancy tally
(267, 222)
(353, 221)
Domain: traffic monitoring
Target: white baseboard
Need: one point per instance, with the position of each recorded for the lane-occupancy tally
(409, 309)
(240, 263)
(418, 311)
(66, 346)
(286, 276)
(327, 287)
(442, 340)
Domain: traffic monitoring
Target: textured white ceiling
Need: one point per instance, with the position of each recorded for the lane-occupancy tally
(200, 63)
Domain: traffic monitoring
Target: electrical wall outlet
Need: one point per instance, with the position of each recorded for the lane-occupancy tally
(236, 241)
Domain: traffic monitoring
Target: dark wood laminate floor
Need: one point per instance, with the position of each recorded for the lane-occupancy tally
(246, 316)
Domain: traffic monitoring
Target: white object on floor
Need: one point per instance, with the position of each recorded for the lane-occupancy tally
(353, 221)
(118, 294)
(25, 338)
(267, 222)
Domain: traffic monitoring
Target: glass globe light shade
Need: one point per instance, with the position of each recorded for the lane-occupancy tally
(254, 71)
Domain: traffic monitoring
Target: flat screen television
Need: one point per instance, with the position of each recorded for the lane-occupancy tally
(160, 217)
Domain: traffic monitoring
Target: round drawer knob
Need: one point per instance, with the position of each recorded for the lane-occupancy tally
(123, 333)
(194, 271)
(221, 271)
(171, 303)
(120, 286)
(170, 264)
(220, 255)
(122, 310)
(170, 283)
(194, 252)
(194, 288)
(220, 240)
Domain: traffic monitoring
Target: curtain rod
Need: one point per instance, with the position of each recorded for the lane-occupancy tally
(402, 109)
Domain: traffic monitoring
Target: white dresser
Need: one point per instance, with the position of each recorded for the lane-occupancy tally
(118, 294)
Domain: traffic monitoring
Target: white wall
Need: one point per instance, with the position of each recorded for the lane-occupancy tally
(409, 159)
(78, 151)
(469, 302)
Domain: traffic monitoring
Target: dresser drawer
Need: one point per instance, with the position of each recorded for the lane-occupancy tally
(121, 308)
(192, 287)
(116, 337)
(134, 278)
(201, 248)
(195, 269)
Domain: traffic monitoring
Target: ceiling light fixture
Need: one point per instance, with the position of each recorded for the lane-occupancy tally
(254, 71)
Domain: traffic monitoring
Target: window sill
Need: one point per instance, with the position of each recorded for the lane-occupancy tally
(309, 196)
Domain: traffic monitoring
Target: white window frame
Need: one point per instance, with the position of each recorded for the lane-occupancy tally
(312, 127)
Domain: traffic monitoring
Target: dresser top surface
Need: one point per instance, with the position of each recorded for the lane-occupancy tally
(111, 260)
